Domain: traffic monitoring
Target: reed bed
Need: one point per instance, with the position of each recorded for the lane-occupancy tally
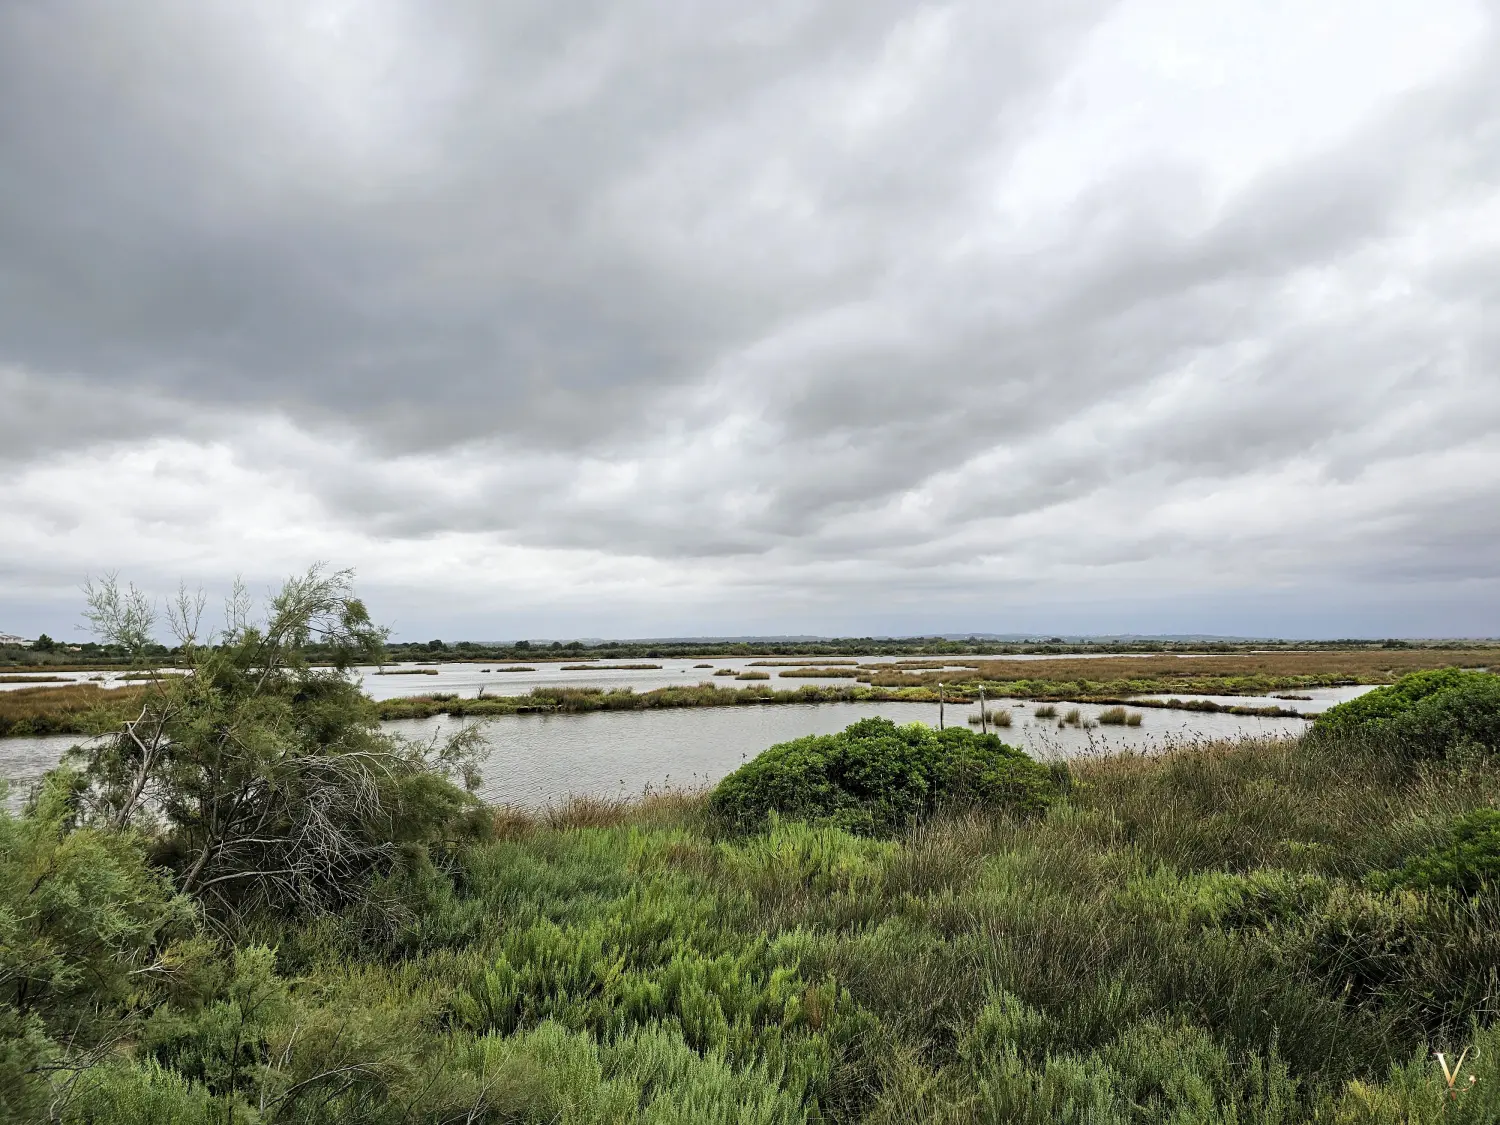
(73, 709)
(610, 667)
(832, 663)
(1248, 673)
(584, 699)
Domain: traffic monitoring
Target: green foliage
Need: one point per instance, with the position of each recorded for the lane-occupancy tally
(1427, 715)
(82, 920)
(81, 913)
(877, 778)
(1469, 861)
(265, 779)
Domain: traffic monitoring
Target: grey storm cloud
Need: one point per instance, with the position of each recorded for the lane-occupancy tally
(801, 315)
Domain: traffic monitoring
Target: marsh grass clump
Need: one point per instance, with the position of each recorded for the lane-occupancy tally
(754, 675)
(725, 672)
(1073, 718)
(992, 718)
(1046, 711)
(1112, 717)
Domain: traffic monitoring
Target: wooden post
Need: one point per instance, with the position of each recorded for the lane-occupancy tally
(940, 706)
(984, 720)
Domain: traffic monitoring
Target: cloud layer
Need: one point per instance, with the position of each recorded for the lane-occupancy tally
(643, 318)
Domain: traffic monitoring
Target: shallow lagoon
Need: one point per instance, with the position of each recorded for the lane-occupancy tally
(535, 759)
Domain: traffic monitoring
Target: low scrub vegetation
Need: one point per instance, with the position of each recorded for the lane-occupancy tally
(886, 925)
(1426, 715)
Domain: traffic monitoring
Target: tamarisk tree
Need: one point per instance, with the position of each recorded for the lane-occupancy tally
(259, 772)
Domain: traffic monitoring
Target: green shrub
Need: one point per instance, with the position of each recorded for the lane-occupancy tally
(875, 778)
(1428, 715)
(1469, 862)
(81, 912)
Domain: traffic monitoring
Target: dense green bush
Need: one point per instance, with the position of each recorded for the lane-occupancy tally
(83, 922)
(1469, 861)
(1427, 715)
(875, 778)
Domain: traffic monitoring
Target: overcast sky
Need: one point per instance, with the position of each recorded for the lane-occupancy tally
(632, 318)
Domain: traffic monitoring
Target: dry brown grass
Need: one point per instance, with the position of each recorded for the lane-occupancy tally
(801, 663)
(1362, 665)
(63, 710)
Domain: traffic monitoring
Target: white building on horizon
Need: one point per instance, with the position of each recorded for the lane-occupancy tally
(12, 639)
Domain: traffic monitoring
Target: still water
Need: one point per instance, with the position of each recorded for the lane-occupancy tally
(536, 759)
(512, 678)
